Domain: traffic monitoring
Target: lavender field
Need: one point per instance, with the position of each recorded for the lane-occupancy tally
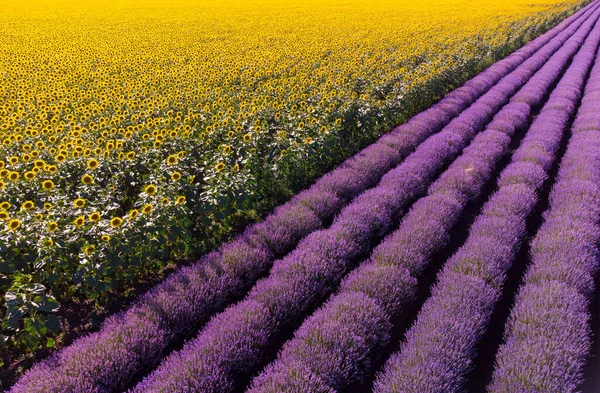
(458, 253)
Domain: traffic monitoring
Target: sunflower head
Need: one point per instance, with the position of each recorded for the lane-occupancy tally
(47, 185)
(175, 176)
(93, 164)
(15, 224)
(220, 166)
(79, 221)
(79, 203)
(116, 222)
(52, 226)
(27, 205)
(87, 179)
(134, 213)
(147, 209)
(94, 217)
(150, 189)
(180, 200)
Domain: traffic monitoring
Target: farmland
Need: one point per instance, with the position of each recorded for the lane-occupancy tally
(149, 132)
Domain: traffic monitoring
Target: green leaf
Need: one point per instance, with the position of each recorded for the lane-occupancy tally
(50, 343)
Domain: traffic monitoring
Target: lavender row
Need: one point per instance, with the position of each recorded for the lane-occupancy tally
(440, 347)
(338, 346)
(547, 337)
(235, 343)
(137, 338)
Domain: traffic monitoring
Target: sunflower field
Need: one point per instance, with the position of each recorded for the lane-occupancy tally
(139, 132)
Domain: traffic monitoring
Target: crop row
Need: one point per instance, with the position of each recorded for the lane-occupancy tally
(440, 348)
(547, 336)
(234, 343)
(338, 346)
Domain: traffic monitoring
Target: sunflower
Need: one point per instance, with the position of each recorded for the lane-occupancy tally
(220, 166)
(52, 226)
(29, 175)
(116, 222)
(175, 176)
(147, 209)
(79, 203)
(3, 216)
(89, 249)
(60, 158)
(48, 242)
(180, 200)
(14, 176)
(247, 137)
(2, 184)
(47, 206)
(94, 217)
(106, 238)
(165, 201)
(93, 164)
(236, 168)
(27, 205)
(150, 189)
(47, 185)
(87, 179)
(13, 160)
(13, 225)
(134, 213)
(5, 205)
(79, 221)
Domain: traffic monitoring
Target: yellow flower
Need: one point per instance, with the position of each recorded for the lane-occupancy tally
(47, 185)
(13, 160)
(175, 176)
(13, 225)
(116, 222)
(52, 226)
(89, 249)
(29, 175)
(79, 221)
(150, 189)
(60, 158)
(47, 206)
(3, 216)
(27, 205)
(180, 200)
(133, 213)
(93, 164)
(147, 209)
(39, 216)
(227, 149)
(5, 205)
(247, 137)
(79, 203)
(2, 184)
(172, 159)
(236, 168)
(94, 217)
(165, 201)
(106, 238)
(14, 176)
(87, 179)
(220, 166)
(308, 140)
(48, 242)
